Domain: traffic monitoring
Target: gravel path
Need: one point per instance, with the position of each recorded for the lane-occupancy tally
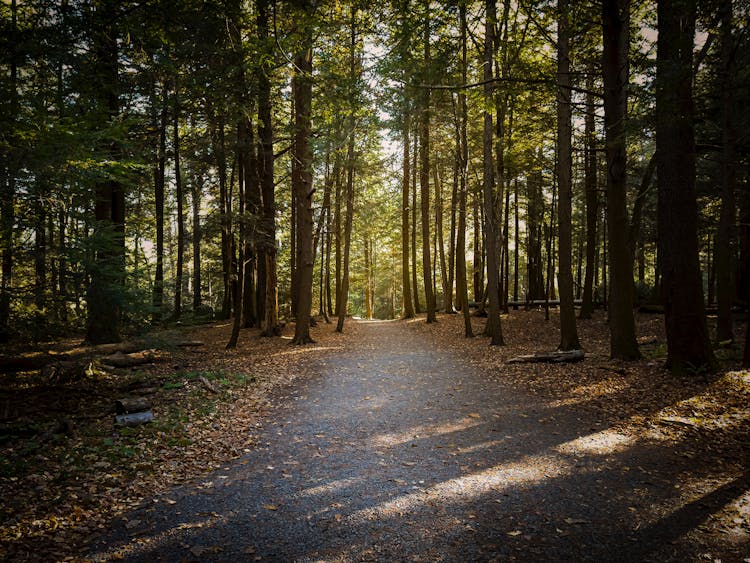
(399, 451)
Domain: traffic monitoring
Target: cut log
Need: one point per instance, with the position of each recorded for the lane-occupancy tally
(208, 385)
(132, 404)
(120, 360)
(134, 419)
(550, 358)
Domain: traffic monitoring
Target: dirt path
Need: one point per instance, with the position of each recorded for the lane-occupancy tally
(396, 450)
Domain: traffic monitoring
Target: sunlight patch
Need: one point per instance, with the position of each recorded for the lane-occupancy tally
(329, 487)
(600, 443)
(529, 470)
(423, 431)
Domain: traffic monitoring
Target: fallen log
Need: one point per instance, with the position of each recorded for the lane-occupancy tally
(558, 357)
(129, 405)
(134, 419)
(120, 360)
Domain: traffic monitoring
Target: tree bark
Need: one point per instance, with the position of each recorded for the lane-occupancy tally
(414, 168)
(408, 303)
(179, 196)
(463, 160)
(592, 200)
(688, 348)
(725, 235)
(269, 284)
(302, 180)
(108, 273)
(159, 177)
(493, 328)
(616, 34)
(197, 237)
(424, 176)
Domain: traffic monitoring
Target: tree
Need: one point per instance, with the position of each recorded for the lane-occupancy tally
(408, 303)
(267, 284)
(302, 175)
(424, 176)
(463, 171)
(615, 28)
(592, 200)
(107, 270)
(725, 235)
(493, 328)
(568, 331)
(688, 347)
(343, 296)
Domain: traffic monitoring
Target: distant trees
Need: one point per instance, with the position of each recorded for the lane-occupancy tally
(430, 147)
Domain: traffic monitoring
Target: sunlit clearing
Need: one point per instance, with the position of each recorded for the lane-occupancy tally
(600, 443)
(422, 431)
(527, 471)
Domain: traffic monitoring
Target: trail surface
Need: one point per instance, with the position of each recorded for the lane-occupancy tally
(397, 450)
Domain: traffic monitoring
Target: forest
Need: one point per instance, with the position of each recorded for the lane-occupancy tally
(288, 169)
(267, 161)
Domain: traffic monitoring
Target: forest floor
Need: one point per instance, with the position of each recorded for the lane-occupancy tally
(396, 440)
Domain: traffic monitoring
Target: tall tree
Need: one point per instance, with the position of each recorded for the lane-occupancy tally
(159, 181)
(592, 198)
(8, 194)
(463, 171)
(568, 330)
(267, 286)
(616, 35)
(424, 175)
(688, 347)
(493, 328)
(725, 235)
(408, 304)
(180, 198)
(302, 175)
(342, 298)
(107, 271)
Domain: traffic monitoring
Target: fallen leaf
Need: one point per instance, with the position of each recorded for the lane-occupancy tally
(515, 533)
(474, 415)
(270, 507)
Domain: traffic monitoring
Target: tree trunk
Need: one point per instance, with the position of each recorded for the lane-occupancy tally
(159, 177)
(688, 348)
(408, 303)
(108, 273)
(343, 297)
(302, 181)
(463, 161)
(226, 221)
(197, 237)
(179, 196)
(615, 28)
(8, 195)
(493, 328)
(517, 238)
(424, 177)
(447, 290)
(725, 235)
(414, 285)
(269, 284)
(568, 329)
(592, 200)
